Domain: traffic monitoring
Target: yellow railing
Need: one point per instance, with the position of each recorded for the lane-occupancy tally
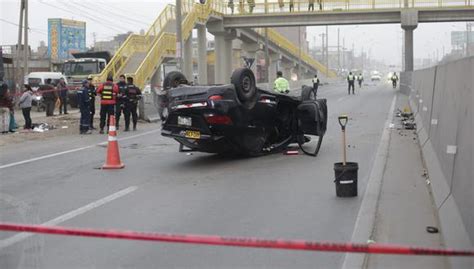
(165, 45)
(285, 44)
(242, 7)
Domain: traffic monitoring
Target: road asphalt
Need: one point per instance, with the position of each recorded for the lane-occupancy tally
(57, 181)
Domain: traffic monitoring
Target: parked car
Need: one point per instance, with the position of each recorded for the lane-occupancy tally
(239, 118)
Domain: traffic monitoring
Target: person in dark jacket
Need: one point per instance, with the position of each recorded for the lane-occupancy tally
(92, 95)
(49, 96)
(133, 94)
(84, 106)
(62, 89)
(121, 99)
(6, 108)
(25, 105)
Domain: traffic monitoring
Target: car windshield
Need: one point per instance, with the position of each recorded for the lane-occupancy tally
(34, 82)
(82, 68)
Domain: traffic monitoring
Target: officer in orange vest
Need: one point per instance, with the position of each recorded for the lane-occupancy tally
(108, 95)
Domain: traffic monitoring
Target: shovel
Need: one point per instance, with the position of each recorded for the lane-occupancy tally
(343, 122)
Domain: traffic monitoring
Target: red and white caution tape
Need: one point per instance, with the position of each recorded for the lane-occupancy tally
(373, 248)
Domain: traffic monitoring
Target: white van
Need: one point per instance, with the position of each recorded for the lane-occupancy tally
(36, 79)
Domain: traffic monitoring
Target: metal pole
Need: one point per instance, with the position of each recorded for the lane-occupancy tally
(338, 52)
(344, 52)
(299, 53)
(179, 37)
(267, 60)
(26, 48)
(327, 52)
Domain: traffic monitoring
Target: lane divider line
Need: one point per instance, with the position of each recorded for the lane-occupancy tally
(72, 150)
(251, 242)
(72, 214)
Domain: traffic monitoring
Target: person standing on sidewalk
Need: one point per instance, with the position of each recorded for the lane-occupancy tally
(62, 89)
(49, 96)
(108, 93)
(6, 108)
(360, 79)
(133, 95)
(25, 105)
(92, 95)
(120, 100)
(281, 85)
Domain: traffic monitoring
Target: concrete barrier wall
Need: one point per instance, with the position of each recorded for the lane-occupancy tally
(442, 99)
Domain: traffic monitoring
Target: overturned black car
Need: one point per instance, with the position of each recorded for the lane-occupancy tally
(241, 118)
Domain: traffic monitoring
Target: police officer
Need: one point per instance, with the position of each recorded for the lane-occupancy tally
(92, 95)
(315, 84)
(120, 102)
(394, 80)
(83, 100)
(281, 85)
(133, 94)
(360, 78)
(108, 92)
(350, 81)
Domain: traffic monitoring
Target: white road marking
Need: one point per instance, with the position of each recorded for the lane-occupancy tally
(72, 214)
(71, 150)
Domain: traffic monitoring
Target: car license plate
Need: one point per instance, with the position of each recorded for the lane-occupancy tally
(186, 121)
(193, 134)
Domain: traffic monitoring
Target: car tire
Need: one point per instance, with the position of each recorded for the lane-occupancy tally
(173, 79)
(307, 93)
(243, 80)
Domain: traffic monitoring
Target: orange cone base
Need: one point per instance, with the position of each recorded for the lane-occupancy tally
(113, 166)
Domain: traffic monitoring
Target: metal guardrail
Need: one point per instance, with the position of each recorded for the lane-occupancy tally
(244, 7)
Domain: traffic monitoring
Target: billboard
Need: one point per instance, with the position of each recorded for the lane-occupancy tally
(65, 37)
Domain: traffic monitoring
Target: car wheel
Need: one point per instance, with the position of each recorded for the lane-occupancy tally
(307, 93)
(173, 79)
(243, 80)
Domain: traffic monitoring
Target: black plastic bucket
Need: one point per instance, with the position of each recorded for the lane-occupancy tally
(346, 179)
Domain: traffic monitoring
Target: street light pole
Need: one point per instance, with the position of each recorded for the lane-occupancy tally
(327, 52)
(179, 37)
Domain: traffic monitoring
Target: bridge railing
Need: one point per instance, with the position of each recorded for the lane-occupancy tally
(283, 6)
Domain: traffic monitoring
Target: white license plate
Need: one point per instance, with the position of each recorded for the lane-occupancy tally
(186, 121)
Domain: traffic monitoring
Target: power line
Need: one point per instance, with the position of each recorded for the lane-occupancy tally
(119, 9)
(83, 9)
(123, 14)
(39, 31)
(114, 28)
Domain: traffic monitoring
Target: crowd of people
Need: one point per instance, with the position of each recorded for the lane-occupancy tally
(115, 99)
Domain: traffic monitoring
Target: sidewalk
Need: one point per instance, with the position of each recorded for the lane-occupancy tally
(405, 206)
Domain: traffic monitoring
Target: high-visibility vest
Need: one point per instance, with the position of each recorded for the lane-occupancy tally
(281, 85)
(108, 92)
(350, 77)
(315, 80)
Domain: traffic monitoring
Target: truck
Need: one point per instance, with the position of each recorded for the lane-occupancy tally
(80, 68)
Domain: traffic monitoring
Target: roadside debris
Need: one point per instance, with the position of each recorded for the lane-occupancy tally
(407, 118)
(42, 127)
(432, 229)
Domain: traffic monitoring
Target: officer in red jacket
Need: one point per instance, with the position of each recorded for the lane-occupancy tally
(108, 94)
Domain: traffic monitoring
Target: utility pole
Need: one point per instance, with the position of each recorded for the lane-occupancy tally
(26, 47)
(19, 73)
(344, 52)
(179, 37)
(299, 53)
(327, 53)
(267, 54)
(322, 48)
(468, 31)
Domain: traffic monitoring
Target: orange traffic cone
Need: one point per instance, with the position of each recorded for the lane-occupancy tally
(113, 156)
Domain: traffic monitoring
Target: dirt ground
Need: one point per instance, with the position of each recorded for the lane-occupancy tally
(61, 125)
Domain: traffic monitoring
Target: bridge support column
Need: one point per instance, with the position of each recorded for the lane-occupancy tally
(273, 67)
(287, 69)
(202, 55)
(409, 20)
(251, 53)
(223, 51)
(188, 58)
